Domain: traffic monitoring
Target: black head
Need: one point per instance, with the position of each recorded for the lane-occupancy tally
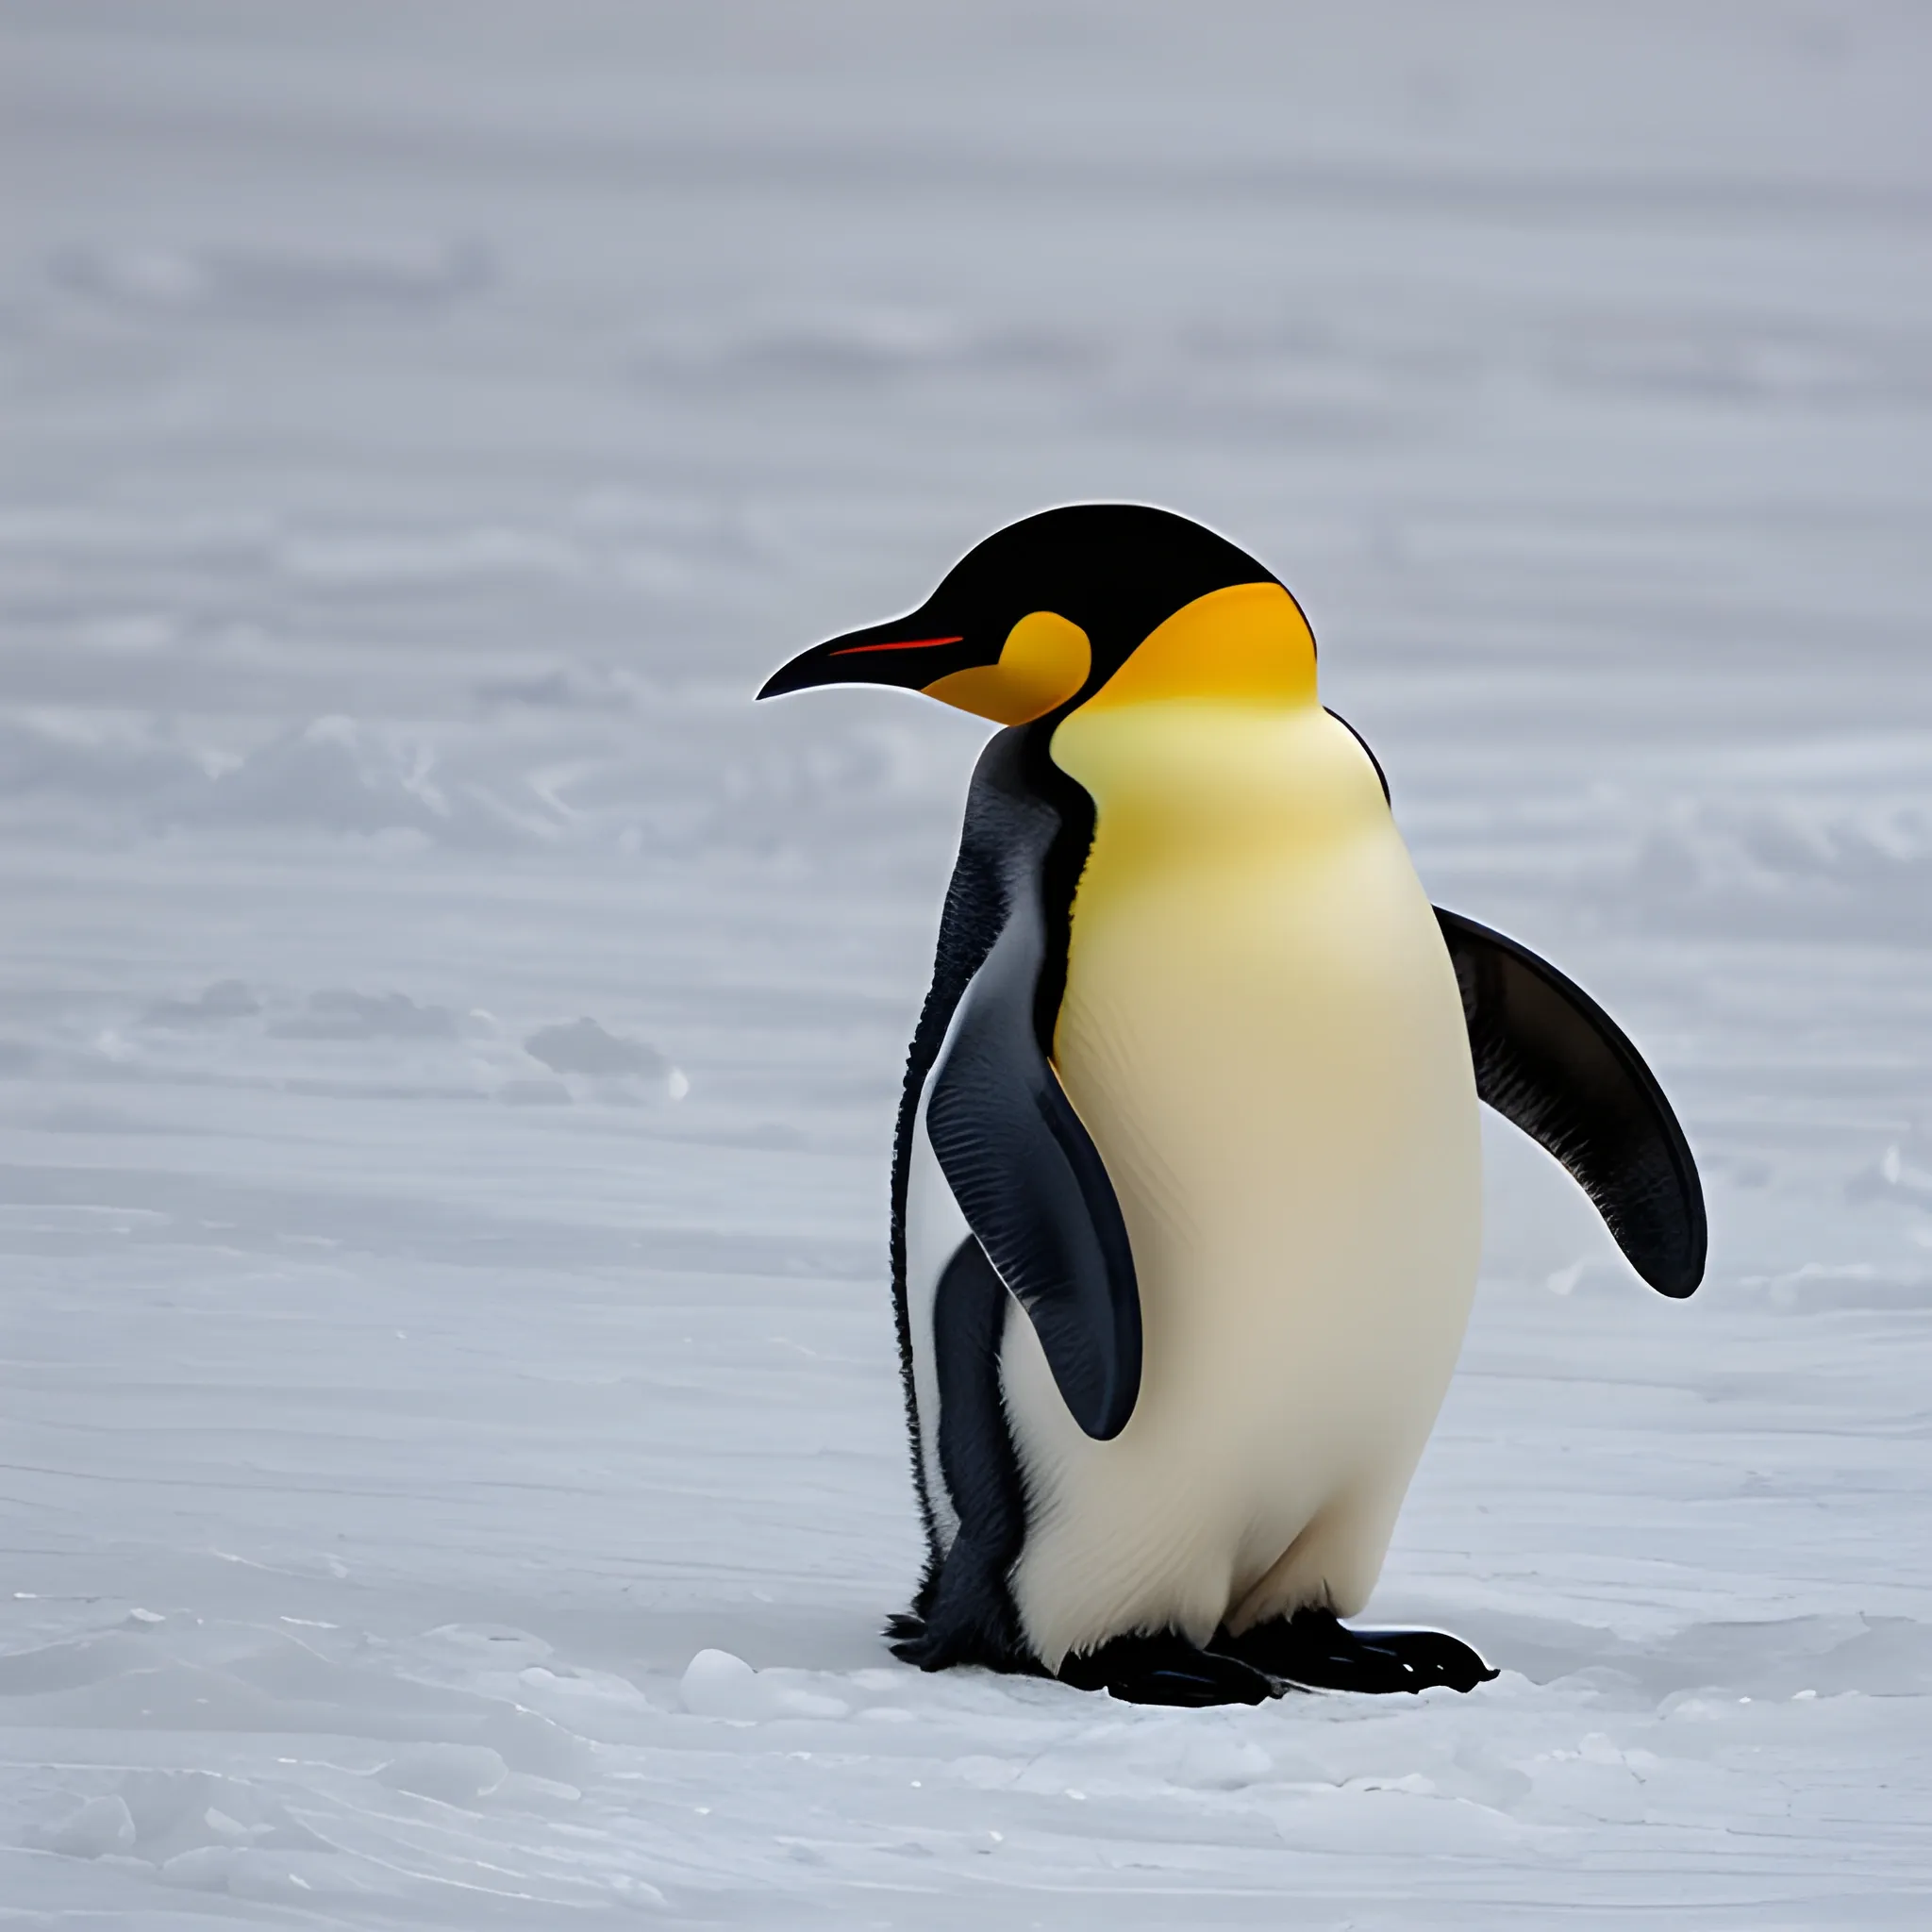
(1037, 616)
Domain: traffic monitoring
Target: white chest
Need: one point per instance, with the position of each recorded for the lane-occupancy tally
(1261, 1031)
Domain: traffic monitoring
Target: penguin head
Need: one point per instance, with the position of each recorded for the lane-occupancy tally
(1093, 603)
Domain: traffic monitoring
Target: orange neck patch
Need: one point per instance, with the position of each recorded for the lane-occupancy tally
(1247, 644)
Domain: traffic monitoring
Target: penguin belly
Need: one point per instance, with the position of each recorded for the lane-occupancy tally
(1262, 1032)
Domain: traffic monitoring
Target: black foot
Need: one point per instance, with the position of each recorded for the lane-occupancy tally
(1316, 1649)
(1167, 1670)
(940, 1644)
(963, 1615)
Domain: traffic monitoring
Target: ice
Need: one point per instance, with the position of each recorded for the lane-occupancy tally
(716, 1684)
(100, 1827)
(446, 1485)
(456, 1773)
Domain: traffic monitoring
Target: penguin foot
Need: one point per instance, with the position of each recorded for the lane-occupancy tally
(963, 1613)
(1315, 1649)
(943, 1642)
(1167, 1669)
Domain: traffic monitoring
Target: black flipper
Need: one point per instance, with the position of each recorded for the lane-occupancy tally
(1026, 1176)
(1315, 1649)
(1031, 1186)
(1551, 1061)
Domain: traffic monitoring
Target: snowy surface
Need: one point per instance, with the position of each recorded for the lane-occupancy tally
(450, 1440)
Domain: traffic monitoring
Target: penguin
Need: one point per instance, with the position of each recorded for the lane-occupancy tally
(1187, 1181)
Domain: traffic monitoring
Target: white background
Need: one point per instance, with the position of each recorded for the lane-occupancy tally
(424, 426)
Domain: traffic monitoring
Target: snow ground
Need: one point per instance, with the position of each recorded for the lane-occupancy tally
(448, 1036)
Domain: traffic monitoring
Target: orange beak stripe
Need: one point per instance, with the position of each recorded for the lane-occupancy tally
(911, 645)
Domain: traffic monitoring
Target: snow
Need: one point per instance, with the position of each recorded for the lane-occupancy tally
(450, 1440)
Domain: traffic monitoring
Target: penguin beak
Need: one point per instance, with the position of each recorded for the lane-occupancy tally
(910, 653)
(1041, 661)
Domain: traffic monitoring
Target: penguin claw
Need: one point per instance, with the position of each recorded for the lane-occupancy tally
(1167, 1669)
(946, 1641)
(1315, 1650)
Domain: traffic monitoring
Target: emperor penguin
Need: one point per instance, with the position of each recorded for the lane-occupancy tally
(1187, 1184)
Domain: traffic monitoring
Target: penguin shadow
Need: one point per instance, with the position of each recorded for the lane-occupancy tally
(1829, 1655)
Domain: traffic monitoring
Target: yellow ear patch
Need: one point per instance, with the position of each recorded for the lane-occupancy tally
(1247, 644)
(1044, 661)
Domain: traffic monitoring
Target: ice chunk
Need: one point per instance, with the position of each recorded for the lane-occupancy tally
(101, 1826)
(207, 1868)
(453, 1773)
(716, 1684)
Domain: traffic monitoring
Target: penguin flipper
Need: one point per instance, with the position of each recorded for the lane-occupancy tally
(1031, 1185)
(1551, 1061)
